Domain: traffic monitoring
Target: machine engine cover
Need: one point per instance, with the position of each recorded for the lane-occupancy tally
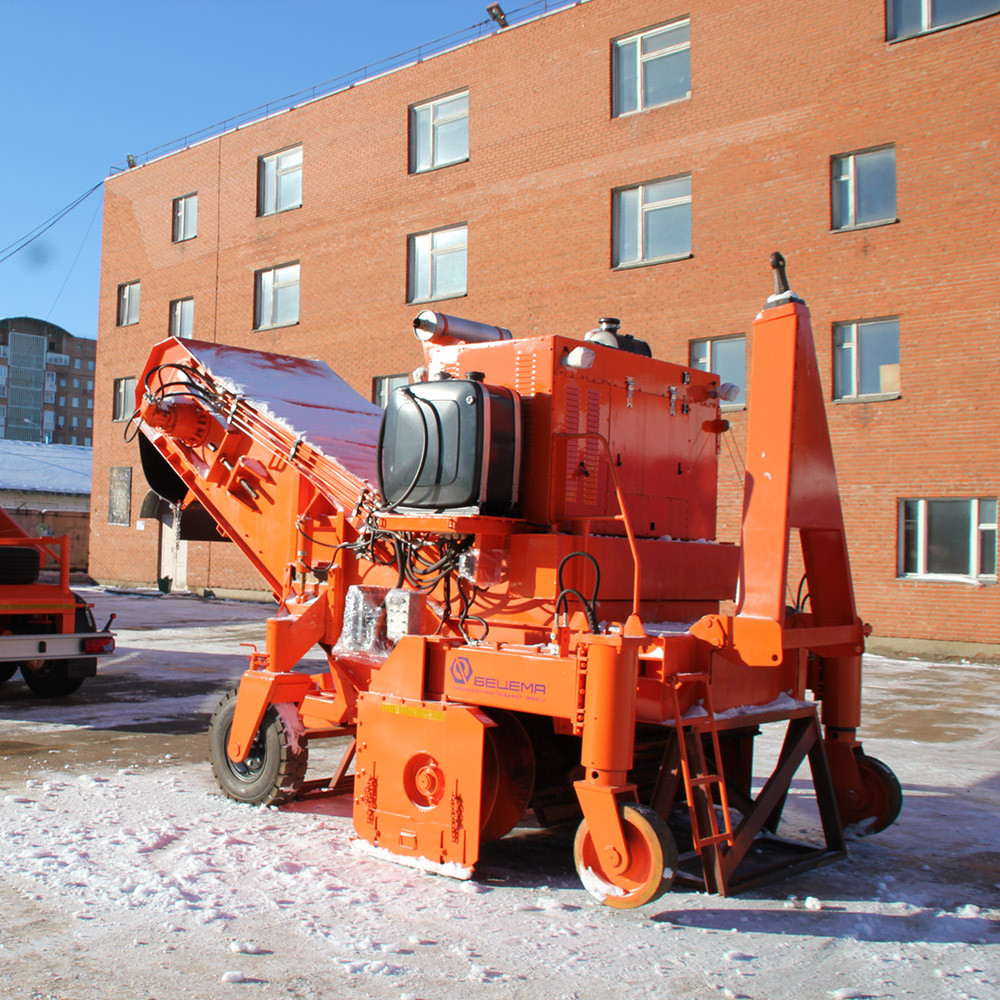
(451, 445)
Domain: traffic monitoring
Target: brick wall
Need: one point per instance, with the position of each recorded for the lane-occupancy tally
(773, 98)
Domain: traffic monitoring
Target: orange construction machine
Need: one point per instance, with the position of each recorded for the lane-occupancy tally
(514, 576)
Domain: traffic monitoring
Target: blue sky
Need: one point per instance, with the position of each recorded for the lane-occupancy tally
(86, 82)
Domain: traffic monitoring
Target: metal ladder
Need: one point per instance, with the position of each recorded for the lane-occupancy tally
(700, 784)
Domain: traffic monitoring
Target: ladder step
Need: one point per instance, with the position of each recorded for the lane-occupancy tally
(717, 839)
(706, 779)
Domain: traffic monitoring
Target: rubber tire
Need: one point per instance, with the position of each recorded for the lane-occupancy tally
(653, 864)
(885, 795)
(51, 680)
(7, 670)
(18, 564)
(274, 771)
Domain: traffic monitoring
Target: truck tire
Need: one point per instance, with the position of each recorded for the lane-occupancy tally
(59, 678)
(18, 564)
(50, 678)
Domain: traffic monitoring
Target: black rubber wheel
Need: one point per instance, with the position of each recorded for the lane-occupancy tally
(18, 564)
(50, 678)
(59, 678)
(276, 766)
(7, 670)
(883, 799)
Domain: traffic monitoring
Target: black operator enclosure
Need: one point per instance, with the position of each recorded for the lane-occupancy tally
(451, 445)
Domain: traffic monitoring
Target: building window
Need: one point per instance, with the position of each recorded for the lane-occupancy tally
(277, 297)
(185, 218)
(119, 493)
(182, 318)
(124, 399)
(74, 401)
(914, 17)
(76, 363)
(279, 181)
(48, 420)
(863, 188)
(61, 421)
(948, 538)
(74, 422)
(382, 385)
(652, 68)
(727, 357)
(439, 133)
(652, 222)
(866, 359)
(438, 264)
(76, 383)
(90, 366)
(128, 305)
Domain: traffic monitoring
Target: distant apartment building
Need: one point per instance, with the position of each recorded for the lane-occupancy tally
(46, 383)
(631, 158)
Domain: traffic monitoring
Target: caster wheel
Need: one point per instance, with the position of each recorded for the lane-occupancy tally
(882, 800)
(276, 765)
(652, 860)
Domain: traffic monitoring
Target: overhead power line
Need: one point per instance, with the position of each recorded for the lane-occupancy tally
(19, 244)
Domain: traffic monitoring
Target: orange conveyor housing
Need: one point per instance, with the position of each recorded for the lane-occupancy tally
(567, 653)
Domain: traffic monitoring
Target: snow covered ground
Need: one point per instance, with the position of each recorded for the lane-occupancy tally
(126, 876)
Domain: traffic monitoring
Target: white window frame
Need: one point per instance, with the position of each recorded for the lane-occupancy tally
(128, 305)
(644, 209)
(640, 61)
(268, 282)
(185, 221)
(436, 118)
(423, 246)
(844, 167)
(851, 329)
(928, 11)
(271, 170)
(123, 398)
(705, 361)
(182, 317)
(979, 532)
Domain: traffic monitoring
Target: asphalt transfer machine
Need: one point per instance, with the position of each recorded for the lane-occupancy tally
(514, 576)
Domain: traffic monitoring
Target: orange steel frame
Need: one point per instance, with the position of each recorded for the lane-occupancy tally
(620, 462)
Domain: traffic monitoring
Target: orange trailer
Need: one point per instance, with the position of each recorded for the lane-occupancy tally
(514, 576)
(46, 630)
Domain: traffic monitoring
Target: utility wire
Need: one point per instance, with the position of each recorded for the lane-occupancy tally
(72, 266)
(18, 245)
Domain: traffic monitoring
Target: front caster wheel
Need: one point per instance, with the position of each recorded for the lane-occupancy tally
(276, 765)
(882, 799)
(652, 860)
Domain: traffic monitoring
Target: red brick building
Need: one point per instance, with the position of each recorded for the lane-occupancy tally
(630, 158)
